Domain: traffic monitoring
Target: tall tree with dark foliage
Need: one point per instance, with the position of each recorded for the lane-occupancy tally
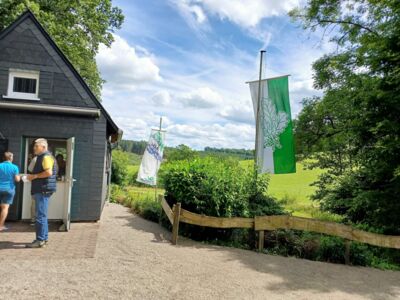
(356, 124)
(77, 26)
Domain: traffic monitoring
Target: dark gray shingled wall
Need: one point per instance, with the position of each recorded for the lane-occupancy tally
(27, 49)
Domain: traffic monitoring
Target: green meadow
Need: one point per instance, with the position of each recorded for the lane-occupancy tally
(294, 192)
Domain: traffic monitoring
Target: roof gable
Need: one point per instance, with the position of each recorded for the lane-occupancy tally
(28, 21)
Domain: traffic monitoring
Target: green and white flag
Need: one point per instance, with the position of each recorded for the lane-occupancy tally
(275, 144)
(152, 158)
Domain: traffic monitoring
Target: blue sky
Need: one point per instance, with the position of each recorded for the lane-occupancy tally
(188, 61)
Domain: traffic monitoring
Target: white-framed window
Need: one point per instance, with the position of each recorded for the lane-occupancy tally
(23, 84)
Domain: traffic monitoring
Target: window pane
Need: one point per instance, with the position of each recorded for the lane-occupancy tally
(24, 85)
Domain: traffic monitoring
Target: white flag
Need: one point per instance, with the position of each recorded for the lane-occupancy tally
(275, 143)
(152, 158)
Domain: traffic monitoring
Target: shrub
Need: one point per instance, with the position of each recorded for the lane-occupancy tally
(207, 186)
(117, 194)
(141, 203)
(147, 207)
(331, 249)
(119, 171)
(261, 204)
(216, 187)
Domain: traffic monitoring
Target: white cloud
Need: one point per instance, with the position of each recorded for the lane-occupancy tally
(213, 135)
(195, 135)
(122, 66)
(139, 127)
(190, 10)
(197, 11)
(198, 98)
(201, 98)
(244, 13)
(241, 112)
(161, 98)
(192, 13)
(133, 128)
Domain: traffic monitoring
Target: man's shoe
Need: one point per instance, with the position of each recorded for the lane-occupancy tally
(36, 244)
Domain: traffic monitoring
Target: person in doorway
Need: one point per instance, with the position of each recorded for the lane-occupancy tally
(44, 184)
(61, 165)
(33, 207)
(8, 176)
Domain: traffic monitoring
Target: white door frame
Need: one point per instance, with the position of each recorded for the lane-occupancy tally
(63, 189)
(70, 182)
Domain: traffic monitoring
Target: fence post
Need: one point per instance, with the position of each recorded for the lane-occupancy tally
(261, 235)
(347, 245)
(175, 225)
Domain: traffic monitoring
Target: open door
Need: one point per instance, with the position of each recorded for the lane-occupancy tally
(69, 182)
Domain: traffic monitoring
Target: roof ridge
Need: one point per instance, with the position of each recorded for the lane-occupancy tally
(29, 14)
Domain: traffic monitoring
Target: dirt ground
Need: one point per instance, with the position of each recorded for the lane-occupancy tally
(134, 260)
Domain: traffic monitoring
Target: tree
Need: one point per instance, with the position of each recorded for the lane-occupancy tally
(181, 152)
(356, 123)
(77, 26)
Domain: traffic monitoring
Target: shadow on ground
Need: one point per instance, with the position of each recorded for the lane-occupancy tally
(296, 274)
(22, 226)
(161, 235)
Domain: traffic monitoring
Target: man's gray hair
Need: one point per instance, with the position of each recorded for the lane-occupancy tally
(42, 142)
(8, 156)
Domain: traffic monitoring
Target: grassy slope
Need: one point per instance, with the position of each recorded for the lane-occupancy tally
(294, 191)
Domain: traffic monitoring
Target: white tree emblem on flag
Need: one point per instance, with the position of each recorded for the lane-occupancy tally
(273, 124)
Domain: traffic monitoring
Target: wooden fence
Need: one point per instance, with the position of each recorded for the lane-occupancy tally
(260, 224)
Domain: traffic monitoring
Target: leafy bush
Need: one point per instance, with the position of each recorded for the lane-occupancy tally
(220, 188)
(142, 203)
(331, 249)
(326, 248)
(119, 171)
(207, 186)
(147, 207)
(260, 204)
(118, 194)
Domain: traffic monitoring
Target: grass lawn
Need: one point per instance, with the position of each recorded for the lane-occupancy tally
(294, 191)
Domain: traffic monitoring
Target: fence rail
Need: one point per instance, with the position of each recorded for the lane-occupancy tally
(329, 228)
(202, 220)
(260, 224)
(167, 209)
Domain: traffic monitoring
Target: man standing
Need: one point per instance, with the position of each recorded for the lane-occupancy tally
(8, 175)
(44, 184)
(31, 166)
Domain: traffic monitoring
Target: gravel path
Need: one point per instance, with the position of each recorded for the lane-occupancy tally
(134, 260)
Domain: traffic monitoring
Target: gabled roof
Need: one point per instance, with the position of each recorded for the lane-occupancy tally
(29, 15)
